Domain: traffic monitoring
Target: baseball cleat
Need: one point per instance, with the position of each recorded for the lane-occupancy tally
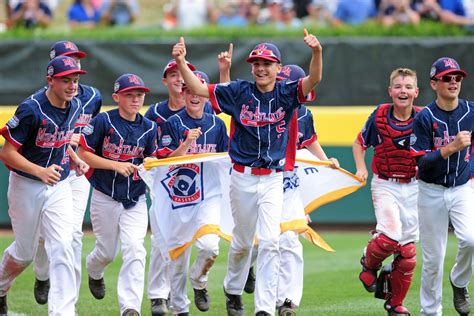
(262, 313)
(234, 304)
(201, 299)
(130, 312)
(41, 291)
(97, 288)
(159, 307)
(287, 309)
(461, 299)
(250, 283)
(398, 310)
(183, 314)
(3, 306)
(368, 277)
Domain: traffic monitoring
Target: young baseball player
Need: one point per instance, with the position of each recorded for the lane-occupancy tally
(394, 189)
(36, 152)
(91, 102)
(114, 144)
(261, 112)
(193, 131)
(158, 270)
(441, 143)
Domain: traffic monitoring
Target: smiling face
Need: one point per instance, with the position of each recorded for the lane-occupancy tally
(174, 82)
(265, 73)
(447, 91)
(403, 91)
(129, 103)
(63, 89)
(194, 104)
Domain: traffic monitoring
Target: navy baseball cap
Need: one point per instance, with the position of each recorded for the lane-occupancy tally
(266, 51)
(65, 48)
(62, 66)
(291, 72)
(128, 82)
(444, 66)
(171, 65)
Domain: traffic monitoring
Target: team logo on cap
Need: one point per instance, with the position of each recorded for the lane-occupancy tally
(70, 46)
(286, 71)
(116, 86)
(68, 62)
(50, 70)
(450, 63)
(52, 54)
(433, 71)
(134, 79)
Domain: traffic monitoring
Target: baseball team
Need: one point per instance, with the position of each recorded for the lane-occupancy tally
(59, 144)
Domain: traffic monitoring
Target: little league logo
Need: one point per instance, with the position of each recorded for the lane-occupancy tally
(184, 185)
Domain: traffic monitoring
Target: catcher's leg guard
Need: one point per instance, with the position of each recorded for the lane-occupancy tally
(382, 286)
(378, 248)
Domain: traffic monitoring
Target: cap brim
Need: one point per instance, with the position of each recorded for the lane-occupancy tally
(450, 71)
(69, 72)
(145, 89)
(252, 58)
(174, 66)
(79, 54)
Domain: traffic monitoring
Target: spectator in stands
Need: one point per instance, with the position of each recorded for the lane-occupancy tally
(119, 12)
(354, 11)
(230, 15)
(319, 13)
(428, 9)
(288, 17)
(455, 12)
(30, 14)
(82, 13)
(253, 12)
(192, 14)
(397, 12)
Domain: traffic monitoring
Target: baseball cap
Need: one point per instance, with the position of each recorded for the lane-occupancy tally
(445, 65)
(65, 48)
(62, 66)
(171, 65)
(266, 51)
(128, 82)
(291, 72)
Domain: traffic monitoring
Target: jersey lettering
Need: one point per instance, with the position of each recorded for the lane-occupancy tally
(121, 152)
(52, 140)
(249, 118)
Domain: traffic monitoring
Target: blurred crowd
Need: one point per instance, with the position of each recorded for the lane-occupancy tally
(281, 14)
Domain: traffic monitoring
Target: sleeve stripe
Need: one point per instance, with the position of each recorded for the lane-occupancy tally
(83, 143)
(212, 97)
(5, 132)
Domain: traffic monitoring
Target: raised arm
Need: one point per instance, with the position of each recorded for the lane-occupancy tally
(224, 60)
(315, 73)
(192, 82)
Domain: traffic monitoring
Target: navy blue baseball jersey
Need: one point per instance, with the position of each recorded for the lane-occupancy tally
(472, 157)
(91, 103)
(306, 132)
(160, 113)
(112, 137)
(260, 121)
(434, 128)
(213, 139)
(42, 132)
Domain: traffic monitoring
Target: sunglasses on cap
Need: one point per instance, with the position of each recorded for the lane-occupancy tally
(263, 52)
(449, 78)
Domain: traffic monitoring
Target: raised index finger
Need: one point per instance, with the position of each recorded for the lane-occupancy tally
(231, 49)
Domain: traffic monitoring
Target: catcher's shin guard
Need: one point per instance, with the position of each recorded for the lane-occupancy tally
(402, 273)
(378, 248)
(382, 285)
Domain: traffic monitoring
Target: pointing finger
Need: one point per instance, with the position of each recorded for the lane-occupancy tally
(231, 49)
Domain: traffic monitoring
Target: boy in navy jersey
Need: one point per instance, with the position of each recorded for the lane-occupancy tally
(36, 152)
(114, 144)
(193, 131)
(261, 113)
(441, 144)
(91, 102)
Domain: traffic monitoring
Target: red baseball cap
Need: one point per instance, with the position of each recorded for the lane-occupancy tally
(444, 66)
(171, 65)
(266, 51)
(62, 66)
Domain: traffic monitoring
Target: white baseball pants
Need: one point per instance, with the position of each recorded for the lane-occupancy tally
(256, 203)
(208, 249)
(35, 207)
(395, 209)
(113, 224)
(291, 273)
(437, 206)
(80, 195)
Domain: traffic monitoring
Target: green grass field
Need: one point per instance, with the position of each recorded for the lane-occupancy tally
(331, 283)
